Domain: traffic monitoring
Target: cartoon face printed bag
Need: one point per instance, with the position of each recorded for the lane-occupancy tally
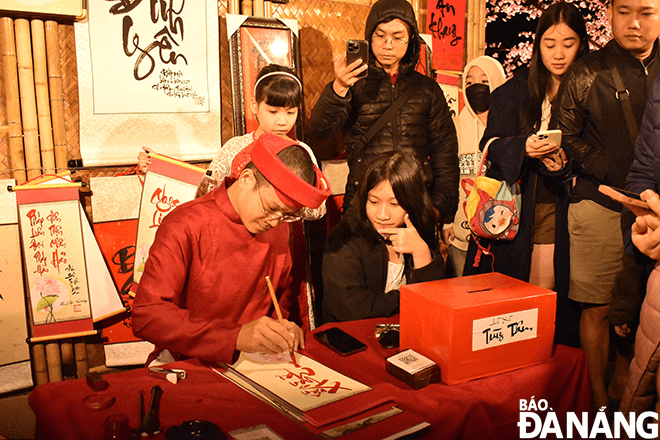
(493, 207)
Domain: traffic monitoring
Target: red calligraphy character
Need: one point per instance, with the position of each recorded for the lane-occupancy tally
(40, 269)
(321, 387)
(36, 232)
(55, 230)
(163, 205)
(299, 379)
(34, 244)
(58, 258)
(42, 262)
(57, 243)
(53, 217)
(35, 217)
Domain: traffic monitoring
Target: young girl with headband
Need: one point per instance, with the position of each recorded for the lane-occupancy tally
(275, 105)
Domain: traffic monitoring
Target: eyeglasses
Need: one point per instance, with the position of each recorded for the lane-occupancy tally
(383, 40)
(275, 215)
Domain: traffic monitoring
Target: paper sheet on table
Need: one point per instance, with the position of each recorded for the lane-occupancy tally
(308, 386)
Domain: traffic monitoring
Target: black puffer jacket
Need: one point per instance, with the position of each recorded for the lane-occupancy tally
(592, 119)
(423, 126)
(355, 272)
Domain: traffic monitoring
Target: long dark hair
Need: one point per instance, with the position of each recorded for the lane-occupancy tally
(404, 173)
(277, 90)
(540, 78)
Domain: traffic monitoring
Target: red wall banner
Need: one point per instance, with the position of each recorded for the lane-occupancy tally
(446, 23)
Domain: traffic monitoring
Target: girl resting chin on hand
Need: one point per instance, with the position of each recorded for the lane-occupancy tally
(386, 239)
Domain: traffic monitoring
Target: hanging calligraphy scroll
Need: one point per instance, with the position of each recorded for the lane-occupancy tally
(168, 184)
(445, 21)
(115, 206)
(253, 44)
(103, 294)
(148, 74)
(15, 371)
(54, 261)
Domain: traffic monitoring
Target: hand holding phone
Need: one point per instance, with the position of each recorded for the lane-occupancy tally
(553, 136)
(347, 70)
(357, 50)
(630, 200)
(339, 341)
(545, 143)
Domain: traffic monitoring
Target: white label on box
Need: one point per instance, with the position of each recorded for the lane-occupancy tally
(410, 361)
(504, 329)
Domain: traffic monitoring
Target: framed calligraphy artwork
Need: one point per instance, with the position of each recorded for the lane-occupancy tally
(168, 184)
(50, 7)
(445, 21)
(148, 74)
(54, 260)
(15, 370)
(253, 44)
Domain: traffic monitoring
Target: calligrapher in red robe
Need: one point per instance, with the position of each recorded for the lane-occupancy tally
(203, 292)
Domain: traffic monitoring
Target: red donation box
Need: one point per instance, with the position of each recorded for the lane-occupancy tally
(478, 326)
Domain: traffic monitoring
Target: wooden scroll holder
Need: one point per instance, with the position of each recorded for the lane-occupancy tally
(37, 142)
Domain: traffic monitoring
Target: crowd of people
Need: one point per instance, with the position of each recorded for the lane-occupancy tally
(406, 189)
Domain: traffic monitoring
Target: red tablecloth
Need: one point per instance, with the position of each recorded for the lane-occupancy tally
(486, 408)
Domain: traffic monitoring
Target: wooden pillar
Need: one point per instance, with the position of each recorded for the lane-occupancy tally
(42, 95)
(28, 99)
(233, 7)
(12, 99)
(39, 364)
(246, 7)
(80, 349)
(258, 8)
(56, 94)
(54, 360)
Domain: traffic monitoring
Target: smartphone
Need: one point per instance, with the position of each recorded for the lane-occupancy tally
(553, 136)
(630, 200)
(339, 341)
(357, 49)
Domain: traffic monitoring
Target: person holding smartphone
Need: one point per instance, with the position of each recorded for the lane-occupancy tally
(519, 110)
(642, 243)
(600, 130)
(421, 127)
(385, 240)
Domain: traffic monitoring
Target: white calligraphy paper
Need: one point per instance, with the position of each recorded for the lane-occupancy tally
(504, 329)
(160, 195)
(55, 261)
(148, 74)
(306, 386)
(15, 372)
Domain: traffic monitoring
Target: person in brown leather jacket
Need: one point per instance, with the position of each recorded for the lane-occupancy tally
(422, 127)
(596, 135)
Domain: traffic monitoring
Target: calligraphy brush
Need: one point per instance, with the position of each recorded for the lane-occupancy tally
(279, 316)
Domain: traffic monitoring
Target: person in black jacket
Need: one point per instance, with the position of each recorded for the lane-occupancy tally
(422, 127)
(591, 112)
(386, 239)
(519, 109)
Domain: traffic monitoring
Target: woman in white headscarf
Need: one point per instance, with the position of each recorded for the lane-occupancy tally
(481, 76)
